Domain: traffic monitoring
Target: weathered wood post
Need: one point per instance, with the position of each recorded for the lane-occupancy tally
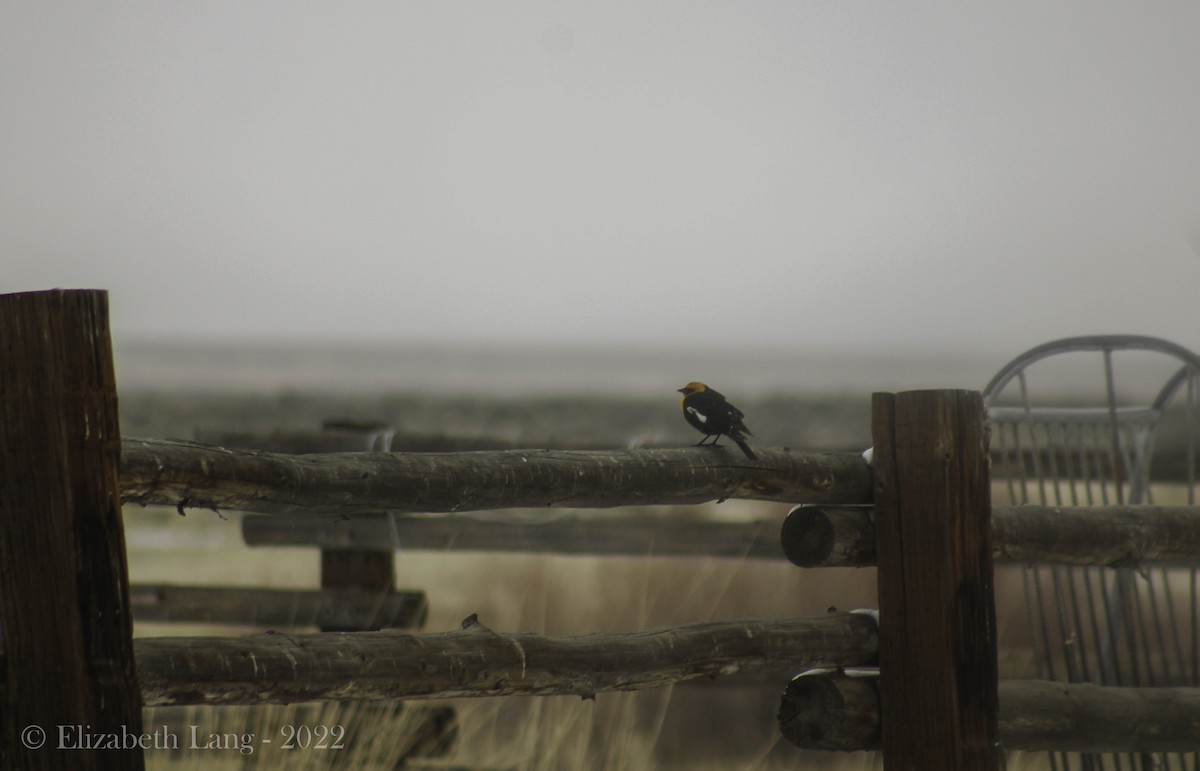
(361, 569)
(374, 571)
(937, 618)
(67, 635)
(368, 570)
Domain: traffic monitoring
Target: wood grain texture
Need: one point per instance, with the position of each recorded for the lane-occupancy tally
(829, 536)
(64, 605)
(638, 533)
(190, 475)
(1080, 717)
(476, 661)
(1099, 536)
(937, 610)
(831, 711)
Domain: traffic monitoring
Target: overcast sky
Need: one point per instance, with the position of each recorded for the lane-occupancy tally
(799, 172)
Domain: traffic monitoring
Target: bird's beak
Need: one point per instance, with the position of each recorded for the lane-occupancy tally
(681, 390)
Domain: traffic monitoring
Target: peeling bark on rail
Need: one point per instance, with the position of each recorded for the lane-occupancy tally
(190, 475)
(476, 661)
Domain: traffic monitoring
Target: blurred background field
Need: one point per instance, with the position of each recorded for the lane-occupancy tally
(688, 726)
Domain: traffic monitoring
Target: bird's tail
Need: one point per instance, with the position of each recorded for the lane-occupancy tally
(745, 447)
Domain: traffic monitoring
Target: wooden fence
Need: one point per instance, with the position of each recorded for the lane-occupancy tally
(935, 703)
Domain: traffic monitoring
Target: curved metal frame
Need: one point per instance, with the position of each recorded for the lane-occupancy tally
(1134, 468)
(1102, 343)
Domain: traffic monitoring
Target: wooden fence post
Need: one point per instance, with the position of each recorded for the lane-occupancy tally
(372, 571)
(937, 619)
(67, 635)
(362, 569)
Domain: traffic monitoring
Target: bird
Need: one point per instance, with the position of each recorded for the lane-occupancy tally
(708, 412)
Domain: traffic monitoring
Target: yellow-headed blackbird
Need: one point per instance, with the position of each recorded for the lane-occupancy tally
(711, 415)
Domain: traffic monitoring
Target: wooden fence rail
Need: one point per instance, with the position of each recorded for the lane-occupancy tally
(237, 605)
(1101, 536)
(830, 711)
(477, 661)
(811, 536)
(637, 533)
(190, 475)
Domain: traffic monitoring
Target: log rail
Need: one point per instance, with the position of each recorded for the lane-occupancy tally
(476, 661)
(190, 475)
(1100, 536)
(831, 711)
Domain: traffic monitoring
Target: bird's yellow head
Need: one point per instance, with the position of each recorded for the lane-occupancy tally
(693, 388)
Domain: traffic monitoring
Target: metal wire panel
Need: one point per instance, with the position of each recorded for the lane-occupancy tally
(1126, 626)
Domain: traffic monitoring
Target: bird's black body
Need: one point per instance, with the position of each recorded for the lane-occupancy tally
(709, 413)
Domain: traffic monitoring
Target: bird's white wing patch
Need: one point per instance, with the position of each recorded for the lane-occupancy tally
(700, 416)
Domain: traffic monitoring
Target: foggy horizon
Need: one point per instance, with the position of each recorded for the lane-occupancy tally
(618, 370)
(777, 174)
